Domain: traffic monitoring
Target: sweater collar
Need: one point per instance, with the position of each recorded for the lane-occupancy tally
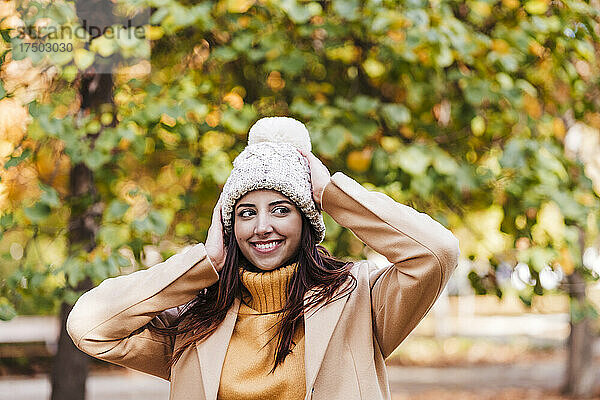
(268, 290)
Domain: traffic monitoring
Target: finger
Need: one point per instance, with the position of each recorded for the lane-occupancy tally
(217, 211)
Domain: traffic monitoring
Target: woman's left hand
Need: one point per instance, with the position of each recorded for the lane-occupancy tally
(319, 176)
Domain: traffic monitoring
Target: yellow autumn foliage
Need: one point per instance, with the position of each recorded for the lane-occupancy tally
(7, 9)
(550, 226)
(53, 167)
(25, 81)
(359, 160)
(239, 6)
(13, 120)
(234, 100)
(18, 184)
(215, 140)
(480, 235)
(566, 261)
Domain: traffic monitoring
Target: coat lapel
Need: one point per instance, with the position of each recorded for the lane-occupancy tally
(318, 328)
(211, 352)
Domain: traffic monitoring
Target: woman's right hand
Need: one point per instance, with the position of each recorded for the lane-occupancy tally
(215, 248)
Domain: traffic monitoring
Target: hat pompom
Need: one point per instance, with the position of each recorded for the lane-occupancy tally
(280, 130)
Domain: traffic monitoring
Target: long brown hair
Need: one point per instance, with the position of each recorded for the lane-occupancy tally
(317, 269)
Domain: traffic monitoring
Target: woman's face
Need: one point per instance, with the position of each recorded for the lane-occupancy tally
(267, 228)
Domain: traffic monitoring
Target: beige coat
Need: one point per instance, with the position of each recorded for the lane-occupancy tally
(347, 341)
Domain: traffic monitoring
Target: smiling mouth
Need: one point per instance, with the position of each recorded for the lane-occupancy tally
(267, 247)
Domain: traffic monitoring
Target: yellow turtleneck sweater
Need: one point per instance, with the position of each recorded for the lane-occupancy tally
(249, 357)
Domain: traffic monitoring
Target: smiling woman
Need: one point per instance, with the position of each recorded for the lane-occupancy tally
(267, 228)
(261, 310)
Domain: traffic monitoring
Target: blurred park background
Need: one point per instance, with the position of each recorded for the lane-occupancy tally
(117, 134)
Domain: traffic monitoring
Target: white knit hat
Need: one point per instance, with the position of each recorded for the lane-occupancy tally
(271, 161)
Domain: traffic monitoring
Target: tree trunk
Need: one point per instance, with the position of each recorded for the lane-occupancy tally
(580, 373)
(70, 365)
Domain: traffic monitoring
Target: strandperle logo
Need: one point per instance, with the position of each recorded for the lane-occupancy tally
(82, 32)
(81, 35)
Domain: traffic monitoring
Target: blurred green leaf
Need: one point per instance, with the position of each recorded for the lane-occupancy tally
(37, 213)
(395, 114)
(347, 9)
(7, 311)
(414, 160)
(49, 195)
(116, 210)
(13, 161)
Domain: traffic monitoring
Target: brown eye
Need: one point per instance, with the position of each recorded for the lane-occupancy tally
(243, 213)
(283, 210)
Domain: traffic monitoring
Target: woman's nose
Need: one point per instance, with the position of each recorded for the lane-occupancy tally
(263, 225)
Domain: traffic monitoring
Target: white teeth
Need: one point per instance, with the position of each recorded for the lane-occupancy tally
(266, 246)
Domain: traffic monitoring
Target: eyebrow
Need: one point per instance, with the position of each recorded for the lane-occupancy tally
(271, 203)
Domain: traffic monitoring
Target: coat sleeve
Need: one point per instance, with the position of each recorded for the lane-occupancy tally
(110, 322)
(423, 255)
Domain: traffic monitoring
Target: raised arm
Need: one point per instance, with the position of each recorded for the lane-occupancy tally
(423, 255)
(111, 321)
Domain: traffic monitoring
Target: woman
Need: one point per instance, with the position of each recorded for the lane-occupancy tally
(261, 311)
